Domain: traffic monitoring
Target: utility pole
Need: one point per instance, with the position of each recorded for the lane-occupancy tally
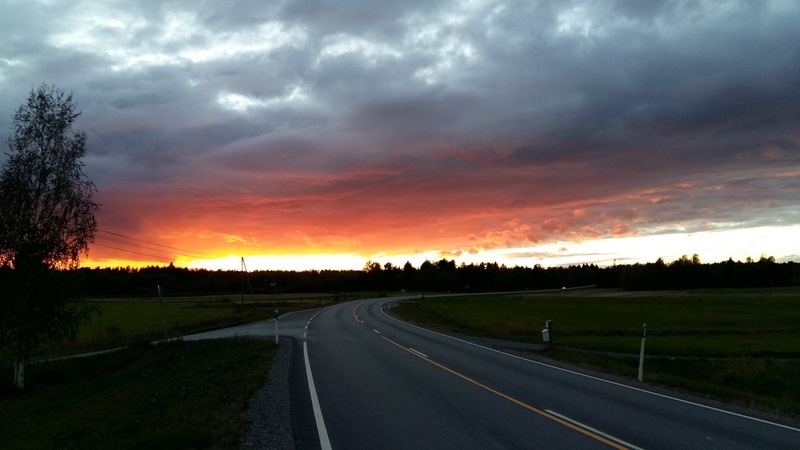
(245, 274)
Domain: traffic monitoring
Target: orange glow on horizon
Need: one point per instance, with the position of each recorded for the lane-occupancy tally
(227, 261)
(628, 248)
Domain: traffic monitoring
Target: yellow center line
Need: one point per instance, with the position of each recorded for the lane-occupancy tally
(512, 399)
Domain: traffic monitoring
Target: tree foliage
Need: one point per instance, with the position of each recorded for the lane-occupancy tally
(440, 276)
(690, 273)
(46, 222)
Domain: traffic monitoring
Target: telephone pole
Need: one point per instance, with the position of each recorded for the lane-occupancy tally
(245, 274)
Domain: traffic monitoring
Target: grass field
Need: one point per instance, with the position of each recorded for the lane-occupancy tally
(173, 395)
(741, 345)
(124, 321)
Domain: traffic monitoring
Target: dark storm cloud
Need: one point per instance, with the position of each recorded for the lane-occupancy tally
(636, 114)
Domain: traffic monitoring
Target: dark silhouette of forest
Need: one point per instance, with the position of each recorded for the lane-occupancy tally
(440, 276)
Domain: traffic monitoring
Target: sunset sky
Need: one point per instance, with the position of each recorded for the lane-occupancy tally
(319, 134)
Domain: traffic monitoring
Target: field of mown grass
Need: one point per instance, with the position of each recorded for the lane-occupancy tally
(176, 395)
(739, 345)
(124, 321)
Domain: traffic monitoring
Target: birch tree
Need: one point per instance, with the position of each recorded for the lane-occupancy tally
(47, 220)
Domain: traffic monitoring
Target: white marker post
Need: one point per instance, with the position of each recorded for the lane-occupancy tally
(276, 326)
(163, 318)
(641, 352)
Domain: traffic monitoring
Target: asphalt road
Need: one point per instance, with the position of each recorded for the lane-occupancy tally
(365, 380)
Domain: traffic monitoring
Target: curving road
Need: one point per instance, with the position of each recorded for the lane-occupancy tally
(382, 383)
(365, 380)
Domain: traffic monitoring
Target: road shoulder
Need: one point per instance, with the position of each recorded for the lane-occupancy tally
(269, 414)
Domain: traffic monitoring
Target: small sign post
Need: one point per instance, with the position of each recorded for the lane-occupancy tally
(547, 333)
(163, 317)
(641, 352)
(276, 326)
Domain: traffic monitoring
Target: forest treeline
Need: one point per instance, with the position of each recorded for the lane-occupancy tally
(441, 276)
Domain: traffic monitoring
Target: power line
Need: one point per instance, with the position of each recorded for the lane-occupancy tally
(143, 241)
(137, 246)
(131, 251)
(181, 250)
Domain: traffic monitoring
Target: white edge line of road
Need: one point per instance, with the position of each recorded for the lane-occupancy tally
(590, 376)
(595, 431)
(324, 441)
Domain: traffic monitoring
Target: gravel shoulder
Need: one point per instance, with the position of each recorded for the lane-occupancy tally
(269, 415)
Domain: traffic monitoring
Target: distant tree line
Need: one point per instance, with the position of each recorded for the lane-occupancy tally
(690, 273)
(445, 276)
(440, 276)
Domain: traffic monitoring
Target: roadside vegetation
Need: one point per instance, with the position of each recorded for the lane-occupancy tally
(169, 395)
(127, 321)
(172, 395)
(736, 345)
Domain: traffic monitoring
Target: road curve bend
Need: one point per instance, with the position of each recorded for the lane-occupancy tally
(379, 382)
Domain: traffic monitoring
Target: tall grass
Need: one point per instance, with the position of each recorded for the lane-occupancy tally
(173, 395)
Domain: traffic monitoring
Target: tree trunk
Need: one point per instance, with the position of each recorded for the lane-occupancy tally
(19, 374)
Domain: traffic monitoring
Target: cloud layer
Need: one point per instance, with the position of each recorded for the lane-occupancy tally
(367, 128)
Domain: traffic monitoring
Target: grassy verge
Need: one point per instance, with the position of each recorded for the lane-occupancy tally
(129, 321)
(173, 395)
(741, 346)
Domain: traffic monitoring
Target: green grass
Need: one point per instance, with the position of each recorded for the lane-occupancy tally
(127, 321)
(173, 395)
(144, 318)
(740, 345)
(696, 323)
(170, 395)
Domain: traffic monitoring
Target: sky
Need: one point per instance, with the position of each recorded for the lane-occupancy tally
(318, 134)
